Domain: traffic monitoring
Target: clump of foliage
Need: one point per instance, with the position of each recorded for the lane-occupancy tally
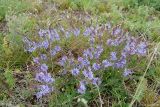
(87, 67)
(13, 5)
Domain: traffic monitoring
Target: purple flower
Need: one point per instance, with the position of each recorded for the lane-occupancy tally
(32, 49)
(76, 32)
(44, 77)
(98, 51)
(96, 66)
(43, 56)
(123, 54)
(86, 62)
(42, 33)
(116, 31)
(50, 35)
(96, 55)
(92, 49)
(43, 90)
(57, 48)
(39, 45)
(91, 40)
(82, 87)
(96, 81)
(121, 63)
(44, 67)
(63, 61)
(87, 53)
(141, 48)
(83, 62)
(106, 63)
(87, 32)
(113, 56)
(112, 42)
(80, 59)
(127, 72)
(100, 48)
(53, 52)
(36, 60)
(75, 71)
(130, 47)
(80, 66)
(88, 74)
(45, 44)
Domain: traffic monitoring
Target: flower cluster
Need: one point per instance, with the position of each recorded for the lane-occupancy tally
(45, 40)
(87, 64)
(43, 77)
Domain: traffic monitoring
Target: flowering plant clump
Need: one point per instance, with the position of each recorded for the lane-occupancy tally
(87, 67)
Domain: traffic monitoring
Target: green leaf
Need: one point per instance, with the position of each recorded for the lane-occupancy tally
(9, 78)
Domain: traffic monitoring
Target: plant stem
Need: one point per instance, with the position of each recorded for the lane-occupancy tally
(139, 85)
